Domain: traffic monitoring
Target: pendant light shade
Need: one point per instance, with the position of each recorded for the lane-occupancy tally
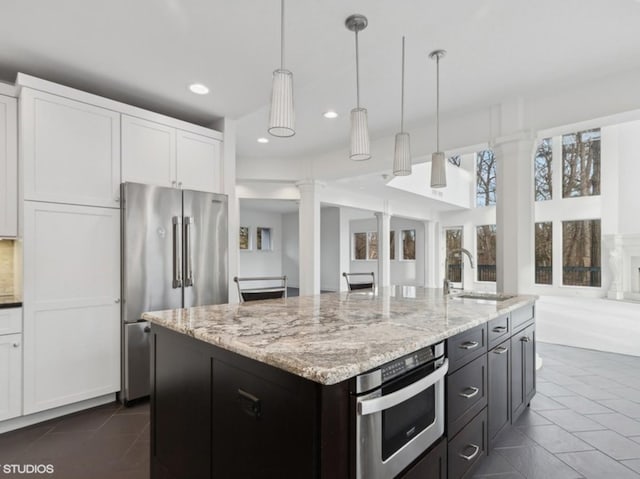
(402, 153)
(360, 145)
(438, 163)
(282, 116)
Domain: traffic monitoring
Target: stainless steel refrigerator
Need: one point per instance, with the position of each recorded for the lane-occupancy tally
(174, 255)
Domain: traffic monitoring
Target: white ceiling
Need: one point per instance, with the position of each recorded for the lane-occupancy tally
(146, 52)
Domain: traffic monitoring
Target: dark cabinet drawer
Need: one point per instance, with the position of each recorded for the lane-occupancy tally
(523, 370)
(432, 465)
(468, 447)
(498, 330)
(522, 316)
(499, 397)
(466, 394)
(466, 346)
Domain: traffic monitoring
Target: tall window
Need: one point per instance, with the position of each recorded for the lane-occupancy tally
(485, 178)
(581, 164)
(581, 253)
(486, 248)
(263, 236)
(392, 244)
(542, 171)
(453, 240)
(544, 252)
(365, 245)
(409, 244)
(372, 245)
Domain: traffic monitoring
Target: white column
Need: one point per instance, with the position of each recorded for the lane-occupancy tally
(514, 213)
(431, 255)
(384, 251)
(345, 248)
(309, 237)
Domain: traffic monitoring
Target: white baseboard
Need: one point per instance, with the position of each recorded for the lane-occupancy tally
(31, 419)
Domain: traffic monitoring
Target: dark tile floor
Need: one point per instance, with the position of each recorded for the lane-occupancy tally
(106, 442)
(583, 423)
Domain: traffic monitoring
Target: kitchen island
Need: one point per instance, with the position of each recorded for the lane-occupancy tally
(265, 389)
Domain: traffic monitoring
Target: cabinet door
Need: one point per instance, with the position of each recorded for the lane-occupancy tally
(71, 150)
(71, 304)
(199, 163)
(523, 364)
(499, 412)
(8, 167)
(10, 375)
(148, 152)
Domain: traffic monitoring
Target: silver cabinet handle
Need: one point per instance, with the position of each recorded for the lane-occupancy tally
(188, 280)
(177, 252)
(179, 184)
(16, 345)
(500, 350)
(474, 392)
(469, 345)
(173, 183)
(499, 329)
(117, 300)
(476, 450)
(525, 339)
(371, 406)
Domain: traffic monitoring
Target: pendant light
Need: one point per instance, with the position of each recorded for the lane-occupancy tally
(438, 163)
(402, 153)
(282, 116)
(359, 124)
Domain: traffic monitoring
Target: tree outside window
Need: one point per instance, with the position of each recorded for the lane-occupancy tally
(453, 240)
(455, 160)
(542, 171)
(372, 245)
(581, 164)
(392, 244)
(486, 249)
(544, 252)
(409, 244)
(485, 178)
(360, 246)
(581, 253)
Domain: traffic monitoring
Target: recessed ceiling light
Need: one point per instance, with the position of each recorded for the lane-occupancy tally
(330, 114)
(263, 140)
(198, 88)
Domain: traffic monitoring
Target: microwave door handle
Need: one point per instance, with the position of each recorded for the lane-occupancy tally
(177, 252)
(374, 405)
(188, 280)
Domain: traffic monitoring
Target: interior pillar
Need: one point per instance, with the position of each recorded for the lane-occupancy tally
(309, 237)
(384, 249)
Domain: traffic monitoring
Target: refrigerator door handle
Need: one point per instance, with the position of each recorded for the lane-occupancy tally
(177, 252)
(188, 281)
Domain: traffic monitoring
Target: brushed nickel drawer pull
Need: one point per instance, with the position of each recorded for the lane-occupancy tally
(500, 350)
(469, 345)
(525, 339)
(499, 329)
(474, 392)
(472, 455)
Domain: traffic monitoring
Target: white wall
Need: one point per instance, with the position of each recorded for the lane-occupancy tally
(405, 272)
(628, 184)
(261, 263)
(330, 273)
(290, 265)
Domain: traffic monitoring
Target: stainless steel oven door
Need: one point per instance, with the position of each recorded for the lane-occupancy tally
(372, 462)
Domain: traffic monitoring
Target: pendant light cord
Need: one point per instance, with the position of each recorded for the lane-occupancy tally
(438, 103)
(402, 93)
(281, 34)
(357, 73)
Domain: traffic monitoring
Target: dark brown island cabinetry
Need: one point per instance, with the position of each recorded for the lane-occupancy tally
(489, 386)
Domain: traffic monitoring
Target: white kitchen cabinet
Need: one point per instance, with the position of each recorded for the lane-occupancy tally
(148, 152)
(158, 154)
(71, 304)
(8, 167)
(199, 164)
(10, 376)
(70, 150)
(10, 320)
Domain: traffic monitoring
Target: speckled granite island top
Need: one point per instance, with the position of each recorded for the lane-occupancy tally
(334, 336)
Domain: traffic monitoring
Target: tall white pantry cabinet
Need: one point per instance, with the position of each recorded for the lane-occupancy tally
(74, 153)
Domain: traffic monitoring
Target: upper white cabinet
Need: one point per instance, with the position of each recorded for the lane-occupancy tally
(8, 167)
(71, 304)
(199, 163)
(161, 155)
(70, 150)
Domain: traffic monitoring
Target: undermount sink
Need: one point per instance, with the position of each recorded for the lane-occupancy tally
(483, 296)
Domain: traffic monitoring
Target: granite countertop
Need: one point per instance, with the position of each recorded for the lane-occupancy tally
(331, 337)
(10, 301)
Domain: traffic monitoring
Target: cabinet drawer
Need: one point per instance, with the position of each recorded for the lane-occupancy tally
(498, 330)
(521, 316)
(10, 321)
(466, 394)
(466, 346)
(468, 447)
